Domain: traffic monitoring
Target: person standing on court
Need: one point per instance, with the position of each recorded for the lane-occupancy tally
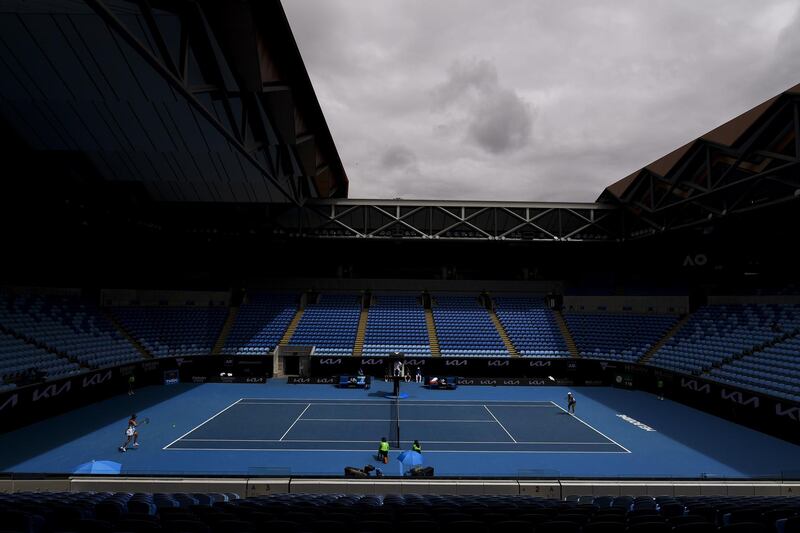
(415, 447)
(570, 403)
(131, 381)
(418, 377)
(383, 451)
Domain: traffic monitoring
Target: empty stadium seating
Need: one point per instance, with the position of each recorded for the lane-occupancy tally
(174, 331)
(18, 356)
(68, 325)
(396, 323)
(718, 332)
(330, 324)
(774, 370)
(617, 336)
(465, 329)
(260, 323)
(101, 512)
(530, 326)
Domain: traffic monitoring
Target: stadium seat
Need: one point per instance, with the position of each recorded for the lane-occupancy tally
(330, 324)
(260, 323)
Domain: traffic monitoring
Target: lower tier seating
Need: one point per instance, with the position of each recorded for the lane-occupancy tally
(103, 512)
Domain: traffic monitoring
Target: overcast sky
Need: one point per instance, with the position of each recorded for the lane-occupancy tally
(533, 100)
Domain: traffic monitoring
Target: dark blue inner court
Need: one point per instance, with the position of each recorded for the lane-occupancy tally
(357, 426)
(281, 429)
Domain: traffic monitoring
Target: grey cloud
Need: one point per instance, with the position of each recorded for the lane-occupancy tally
(496, 118)
(399, 157)
(502, 123)
(564, 99)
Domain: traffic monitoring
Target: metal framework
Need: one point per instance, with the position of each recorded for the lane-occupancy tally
(191, 99)
(427, 219)
(711, 181)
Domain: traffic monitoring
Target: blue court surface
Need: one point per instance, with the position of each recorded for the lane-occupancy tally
(346, 425)
(281, 429)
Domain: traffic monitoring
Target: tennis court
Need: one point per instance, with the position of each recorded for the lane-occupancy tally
(253, 424)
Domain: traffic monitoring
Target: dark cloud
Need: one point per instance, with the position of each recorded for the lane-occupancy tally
(496, 118)
(529, 100)
(399, 157)
(502, 122)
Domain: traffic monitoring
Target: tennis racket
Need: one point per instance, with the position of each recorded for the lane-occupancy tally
(145, 420)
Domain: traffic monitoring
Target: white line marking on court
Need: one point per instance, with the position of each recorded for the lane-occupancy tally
(426, 441)
(453, 403)
(403, 403)
(295, 422)
(362, 451)
(592, 428)
(501, 425)
(207, 421)
(386, 420)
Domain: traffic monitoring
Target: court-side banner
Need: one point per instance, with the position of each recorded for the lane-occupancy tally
(773, 415)
(294, 380)
(478, 367)
(502, 382)
(28, 404)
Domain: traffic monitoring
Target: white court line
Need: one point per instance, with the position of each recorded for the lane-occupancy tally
(501, 425)
(592, 428)
(366, 450)
(459, 403)
(207, 421)
(384, 404)
(386, 420)
(295, 422)
(427, 441)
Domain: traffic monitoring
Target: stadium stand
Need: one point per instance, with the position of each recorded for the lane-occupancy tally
(261, 321)
(330, 324)
(465, 329)
(84, 512)
(716, 333)
(68, 326)
(396, 324)
(530, 326)
(173, 331)
(617, 336)
(774, 370)
(18, 357)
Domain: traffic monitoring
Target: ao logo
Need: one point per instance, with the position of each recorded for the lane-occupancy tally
(695, 260)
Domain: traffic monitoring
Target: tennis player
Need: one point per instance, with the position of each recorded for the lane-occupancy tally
(130, 433)
(571, 403)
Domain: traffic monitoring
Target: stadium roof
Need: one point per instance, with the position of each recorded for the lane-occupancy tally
(727, 135)
(195, 101)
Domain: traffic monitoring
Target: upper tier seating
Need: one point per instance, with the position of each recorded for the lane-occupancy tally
(396, 324)
(617, 336)
(67, 325)
(330, 324)
(104, 512)
(465, 329)
(174, 331)
(18, 356)
(531, 326)
(774, 370)
(260, 323)
(716, 332)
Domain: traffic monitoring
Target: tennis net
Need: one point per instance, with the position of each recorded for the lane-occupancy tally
(394, 428)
